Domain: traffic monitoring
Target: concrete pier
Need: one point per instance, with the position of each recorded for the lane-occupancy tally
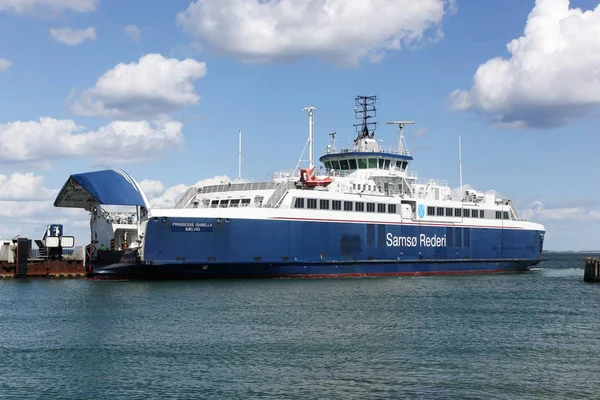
(592, 269)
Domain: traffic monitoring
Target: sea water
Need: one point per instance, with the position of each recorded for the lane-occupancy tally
(534, 335)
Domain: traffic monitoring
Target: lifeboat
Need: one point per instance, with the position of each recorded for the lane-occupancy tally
(307, 177)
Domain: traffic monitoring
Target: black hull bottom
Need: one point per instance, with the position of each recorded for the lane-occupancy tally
(309, 270)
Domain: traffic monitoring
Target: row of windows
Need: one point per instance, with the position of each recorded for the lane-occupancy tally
(364, 163)
(229, 203)
(464, 212)
(338, 205)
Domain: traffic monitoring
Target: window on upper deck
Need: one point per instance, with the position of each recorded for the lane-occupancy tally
(386, 164)
(457, 212)
(392, 208)
(362, 163)
(370, 207)
(311, 203)
(372, 163)
(381, 208)
(380, 163)
(224, 203)
(234, 203)
(352, 163)
(359, 206)
(299, 202)
(344, 164)
(498, 215)
(505, 215)
(430, 210)
(439, 211)
(466, 213)
(336, 204)
(214, 204)
(348, 205)
(324, 204)
(448, 212)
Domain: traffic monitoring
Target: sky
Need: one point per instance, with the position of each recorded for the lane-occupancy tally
(161, 89)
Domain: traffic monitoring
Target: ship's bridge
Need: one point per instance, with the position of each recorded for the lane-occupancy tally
(366, 154)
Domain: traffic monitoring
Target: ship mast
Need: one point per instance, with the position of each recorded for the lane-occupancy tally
(402, 149)
(311, 136)
(364, 110)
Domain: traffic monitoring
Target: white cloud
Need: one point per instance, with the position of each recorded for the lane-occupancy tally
(4, 64)
(119, 141)
(72, 37)
(26, 208)
(24, 186)
(133, 32)
(552, 75)
(47, 7)
(537, 211)
(153, 86)
(342, 31)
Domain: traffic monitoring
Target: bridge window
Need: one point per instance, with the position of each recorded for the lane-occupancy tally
(360, 206)
(430, 210)
(348, 205)
(311, 203)
(380, 162)
(392, 208)
(327, 165)
(335, 165)
(336, 204)
(324, 204)
(457, 212)
(344, 164)
(362, 163)
(386, 164)
(372, 163)
(352, 163)
(381, 208)
(299, 202)
(370, 207)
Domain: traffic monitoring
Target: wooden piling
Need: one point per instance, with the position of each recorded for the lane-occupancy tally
(592, 269)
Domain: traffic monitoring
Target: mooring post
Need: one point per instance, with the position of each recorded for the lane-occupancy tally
(592, 269)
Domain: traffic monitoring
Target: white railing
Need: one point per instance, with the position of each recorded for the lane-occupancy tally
(343, 150)
(186, 198)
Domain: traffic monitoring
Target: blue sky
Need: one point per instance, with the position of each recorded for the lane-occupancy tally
(166, 104)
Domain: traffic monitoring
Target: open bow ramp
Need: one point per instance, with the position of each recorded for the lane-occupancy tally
(110, 187)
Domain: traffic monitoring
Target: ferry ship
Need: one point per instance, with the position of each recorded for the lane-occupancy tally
(362, 213)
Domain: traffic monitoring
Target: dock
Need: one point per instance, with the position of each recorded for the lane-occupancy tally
(592, 269)
(50, 260)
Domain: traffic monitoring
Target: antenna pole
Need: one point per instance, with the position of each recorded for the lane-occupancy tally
(240, 155)
(311, 136)
(460, 167)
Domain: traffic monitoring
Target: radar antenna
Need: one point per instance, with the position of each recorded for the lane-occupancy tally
(364, 110)
(333, 134)
(402, 149)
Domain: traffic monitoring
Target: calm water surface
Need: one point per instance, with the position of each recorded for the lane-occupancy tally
(524, 336)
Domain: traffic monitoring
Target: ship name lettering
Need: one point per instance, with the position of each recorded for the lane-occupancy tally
(412, 241)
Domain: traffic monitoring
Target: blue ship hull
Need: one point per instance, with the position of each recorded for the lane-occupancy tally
(248, 248)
